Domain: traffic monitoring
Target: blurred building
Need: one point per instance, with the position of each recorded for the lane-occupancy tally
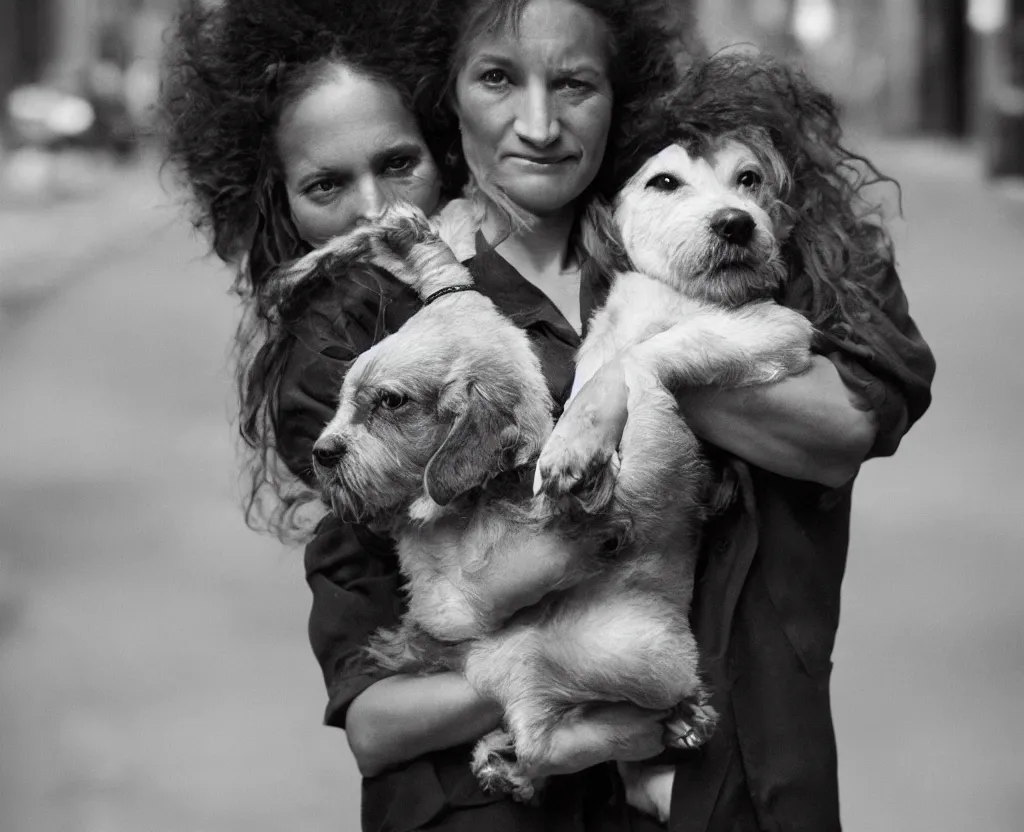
(941, 67)
(58, 40)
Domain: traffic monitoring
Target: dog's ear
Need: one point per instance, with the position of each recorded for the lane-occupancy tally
(474, 450)
(601, 239)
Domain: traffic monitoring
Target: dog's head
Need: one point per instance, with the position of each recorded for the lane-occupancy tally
(452, 399)
(707, 216)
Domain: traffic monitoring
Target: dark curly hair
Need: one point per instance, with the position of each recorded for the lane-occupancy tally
(839, 244)
(232, 68)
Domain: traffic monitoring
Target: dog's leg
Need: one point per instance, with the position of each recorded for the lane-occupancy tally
(582, 447)
(759, 343)
(649, 788)
(402, 242)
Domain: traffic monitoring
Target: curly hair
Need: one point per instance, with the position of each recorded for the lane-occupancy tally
(231, 70)
(839, 243)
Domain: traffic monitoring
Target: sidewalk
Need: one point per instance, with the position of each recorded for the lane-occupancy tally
(44, 244)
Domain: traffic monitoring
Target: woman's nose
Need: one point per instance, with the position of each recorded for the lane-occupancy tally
(536, 119)
(372, 199)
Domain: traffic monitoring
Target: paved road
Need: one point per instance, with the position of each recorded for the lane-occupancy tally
(154, 670)
(154, 673)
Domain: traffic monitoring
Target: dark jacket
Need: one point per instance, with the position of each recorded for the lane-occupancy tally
(765, 611)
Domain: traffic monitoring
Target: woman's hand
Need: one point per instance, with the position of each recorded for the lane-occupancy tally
(808, 427)
(616, 731)
(403, 717)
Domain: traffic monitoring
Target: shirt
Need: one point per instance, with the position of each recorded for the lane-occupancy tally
(766, 602)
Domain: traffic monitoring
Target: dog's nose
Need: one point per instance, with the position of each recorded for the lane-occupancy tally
(733, 226)
(329, 452)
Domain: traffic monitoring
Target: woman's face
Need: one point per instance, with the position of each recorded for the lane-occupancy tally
(349, 147)
(535, 106)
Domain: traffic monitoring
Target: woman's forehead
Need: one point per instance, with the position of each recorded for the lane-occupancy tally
(345, 110)
(548, 33)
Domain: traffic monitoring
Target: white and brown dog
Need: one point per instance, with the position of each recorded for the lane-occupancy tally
(701, 223)
(437, 423)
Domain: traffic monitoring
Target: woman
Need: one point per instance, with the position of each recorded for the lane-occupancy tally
(410, 736)
(537, 89)
(288, 123)
(766, 608)
(250, 102)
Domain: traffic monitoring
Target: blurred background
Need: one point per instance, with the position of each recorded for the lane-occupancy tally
(154, 670)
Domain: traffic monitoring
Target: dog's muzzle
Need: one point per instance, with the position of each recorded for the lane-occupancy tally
(734, 226)
(329, 451)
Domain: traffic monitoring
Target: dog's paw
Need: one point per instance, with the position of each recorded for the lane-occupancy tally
(580, 458)
(691, 726)
(496, 769)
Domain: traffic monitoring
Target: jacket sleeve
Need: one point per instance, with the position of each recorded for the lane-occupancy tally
(354, 578)
(884, 359)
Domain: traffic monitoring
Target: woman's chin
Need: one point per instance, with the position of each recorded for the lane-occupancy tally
(543, 202)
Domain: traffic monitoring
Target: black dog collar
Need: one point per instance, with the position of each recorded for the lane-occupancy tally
(462, 287)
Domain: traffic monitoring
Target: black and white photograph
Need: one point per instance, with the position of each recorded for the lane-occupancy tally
(498, 415)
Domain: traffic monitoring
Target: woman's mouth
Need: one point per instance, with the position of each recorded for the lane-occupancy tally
(540, 161)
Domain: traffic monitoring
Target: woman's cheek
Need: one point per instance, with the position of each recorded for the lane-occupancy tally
(422, 189)
(317, 224)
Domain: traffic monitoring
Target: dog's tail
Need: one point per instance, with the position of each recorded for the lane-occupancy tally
(409, 648)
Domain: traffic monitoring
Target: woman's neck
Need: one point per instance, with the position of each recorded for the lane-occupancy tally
(541, 254)
(540, 251)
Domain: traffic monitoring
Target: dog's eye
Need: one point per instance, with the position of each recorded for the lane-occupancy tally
(391, 400)
(749, 179)
(664, 182)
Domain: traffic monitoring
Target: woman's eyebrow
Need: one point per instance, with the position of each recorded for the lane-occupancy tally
(406, 148)
(580, 68)
(492, 58)
(321, 171)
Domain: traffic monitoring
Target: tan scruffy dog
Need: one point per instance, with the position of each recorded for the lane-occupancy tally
(434, 439)
(701, 222)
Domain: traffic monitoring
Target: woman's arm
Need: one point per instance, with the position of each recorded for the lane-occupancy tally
(856, 403)
(807, 427)
(403, 717)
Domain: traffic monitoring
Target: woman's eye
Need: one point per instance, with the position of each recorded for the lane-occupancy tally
(664, 182)
(494, 77)
(400, 165)
(322, 189)
(749, 179)
(391, 400)
(574, 84)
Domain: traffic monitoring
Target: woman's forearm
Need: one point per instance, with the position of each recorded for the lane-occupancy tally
(402, 717)
(808, 427)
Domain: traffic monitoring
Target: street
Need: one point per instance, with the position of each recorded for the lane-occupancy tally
(154, 668)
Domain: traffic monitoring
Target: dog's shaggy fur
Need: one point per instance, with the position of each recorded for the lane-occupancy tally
(545, 610)
(542, 620)
(703, 223)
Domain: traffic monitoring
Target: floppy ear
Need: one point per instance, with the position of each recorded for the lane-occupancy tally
(474, 450)
(600, 237)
